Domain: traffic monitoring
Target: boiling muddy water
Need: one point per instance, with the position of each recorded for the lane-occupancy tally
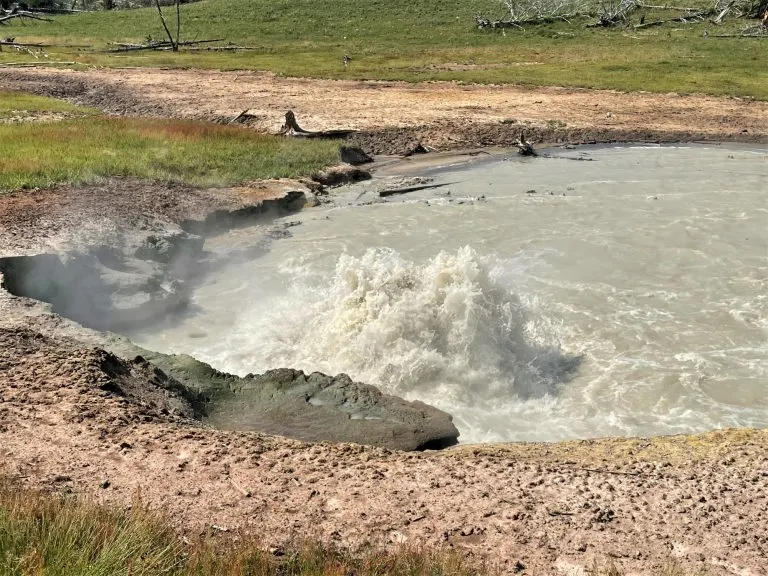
(627, 296)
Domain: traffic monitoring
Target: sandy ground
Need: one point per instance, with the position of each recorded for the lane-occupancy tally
(441, 114)
(554, 508)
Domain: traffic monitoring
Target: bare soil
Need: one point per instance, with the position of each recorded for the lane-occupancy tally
(392, 116)
(46, 220)
(75, 418)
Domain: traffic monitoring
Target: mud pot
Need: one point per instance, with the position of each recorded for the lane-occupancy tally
(596, 292)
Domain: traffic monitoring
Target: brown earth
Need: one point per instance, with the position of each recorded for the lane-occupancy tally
(392, 116)
(76, 418)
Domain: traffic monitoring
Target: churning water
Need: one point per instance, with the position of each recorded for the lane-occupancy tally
(627, 295)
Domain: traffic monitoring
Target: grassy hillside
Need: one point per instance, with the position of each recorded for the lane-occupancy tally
(421, 40)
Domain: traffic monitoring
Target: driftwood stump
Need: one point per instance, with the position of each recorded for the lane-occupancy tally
(525, 148)
(291, 128)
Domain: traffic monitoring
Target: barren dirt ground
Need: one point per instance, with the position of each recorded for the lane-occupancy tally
(442, 114)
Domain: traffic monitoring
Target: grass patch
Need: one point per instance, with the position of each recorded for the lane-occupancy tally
(425, 40)
(45, 534)
(20, 104)
(197, 153)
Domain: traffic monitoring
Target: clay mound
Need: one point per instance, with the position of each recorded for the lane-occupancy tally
(310, 407)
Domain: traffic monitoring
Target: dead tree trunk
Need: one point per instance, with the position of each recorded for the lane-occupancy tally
(178, 23)
(292, 128)
(525, 148)
(174, 43)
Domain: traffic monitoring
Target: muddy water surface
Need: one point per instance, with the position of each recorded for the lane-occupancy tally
(602, 291)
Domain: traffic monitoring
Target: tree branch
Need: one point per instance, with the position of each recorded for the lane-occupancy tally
(174, 46)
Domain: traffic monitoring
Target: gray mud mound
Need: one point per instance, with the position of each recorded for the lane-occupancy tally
(313, 408)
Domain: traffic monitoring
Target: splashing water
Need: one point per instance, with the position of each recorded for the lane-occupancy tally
(446, 328)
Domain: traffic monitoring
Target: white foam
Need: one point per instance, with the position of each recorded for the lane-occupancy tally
(446, 331)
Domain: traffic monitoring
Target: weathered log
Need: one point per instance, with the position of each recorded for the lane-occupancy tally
(21, 14)
(725, 11)
(684, 19)
(292, 128)
(45, 64)
(394, 191)
(525, 148)
(12, 42)
(163, 45)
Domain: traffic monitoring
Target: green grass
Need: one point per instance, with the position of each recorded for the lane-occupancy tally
(85, 149)
(14, 104)
(45, 534)
(408, 40)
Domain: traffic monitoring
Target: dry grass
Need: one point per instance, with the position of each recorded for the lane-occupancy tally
(46, 534)
(52, 534)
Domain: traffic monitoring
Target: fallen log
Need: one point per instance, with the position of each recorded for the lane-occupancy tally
(45, 64)
(394, 191)
(12, 42)
(725, 11)
(291, 128)
(222, 48)
(758, 31)
(23, 14)
(163, 45)
(684, 19)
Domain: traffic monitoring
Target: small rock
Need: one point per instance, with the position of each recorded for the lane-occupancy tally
(105, 484)
(518, 567)
(354, 155)
(312, 200)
